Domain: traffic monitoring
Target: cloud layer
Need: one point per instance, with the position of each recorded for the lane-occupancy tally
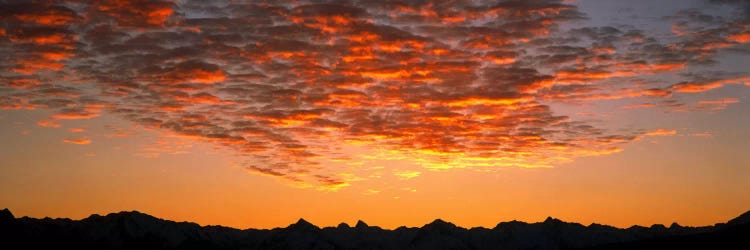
(291, 84)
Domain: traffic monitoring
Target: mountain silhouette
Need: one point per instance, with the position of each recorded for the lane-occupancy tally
(135, 230)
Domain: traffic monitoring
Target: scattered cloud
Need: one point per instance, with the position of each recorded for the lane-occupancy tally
(166, 145)
(372, 191)
(290, 84)
(82, 141)
(77, 130)
(405, 174)
(640, 106)
(702, 134)
(716, 104)
(661, 132)
(48, 124)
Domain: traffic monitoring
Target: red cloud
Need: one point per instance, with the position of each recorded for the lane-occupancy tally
(139, 13)
(294, 86)
(191, 72)
(39, 14)
(740, 38)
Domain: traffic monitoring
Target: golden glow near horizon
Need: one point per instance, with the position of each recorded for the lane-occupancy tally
(254, 113)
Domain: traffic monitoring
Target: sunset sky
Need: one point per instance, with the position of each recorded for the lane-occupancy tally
(257, 113)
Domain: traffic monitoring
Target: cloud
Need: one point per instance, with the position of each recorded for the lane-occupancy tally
(706, 85)
(405, 174)
(48, 124)
(293, 86)
(740, 38)
(722, 101)
(640, 106)
(661, 132)
(715, 104)
(77, 130)
(134, 13)
(82, 141)
(703, 134)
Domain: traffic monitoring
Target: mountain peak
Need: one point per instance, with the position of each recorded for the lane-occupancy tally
(439, 221)
(510, 224)
(5, 214)
(361, 224)
(132, 227)
(302, 221)
(742, 219)
(303, 224)
(440, 224)
(551, 220)
(127, 214)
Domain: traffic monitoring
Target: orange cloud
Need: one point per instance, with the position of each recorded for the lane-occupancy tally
(722, 101)
(192, 72)
(716, 104)
(200, 98)
(640, 106)
(75, 114)
(740, 38)
(78, 141)
(137, 13)
(28, 66)
(471, 101)
(667, 66)
(291, 89)
(702, 134)
(661, 132)
(77, 130)
(405, 175)
(693, 87)
(40, 38)
(48, 124)
(21, 83)
(41, 15)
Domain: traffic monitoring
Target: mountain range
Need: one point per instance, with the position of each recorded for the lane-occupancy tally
(135, 230)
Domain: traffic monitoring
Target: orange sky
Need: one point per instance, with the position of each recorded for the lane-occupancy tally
(256, 114)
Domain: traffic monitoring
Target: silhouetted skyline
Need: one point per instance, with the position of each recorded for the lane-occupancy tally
(134, 230)
(255, 113)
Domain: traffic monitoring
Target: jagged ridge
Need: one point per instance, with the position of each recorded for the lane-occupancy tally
(135, 230)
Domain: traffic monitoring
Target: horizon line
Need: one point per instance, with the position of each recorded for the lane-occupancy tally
(302, 219)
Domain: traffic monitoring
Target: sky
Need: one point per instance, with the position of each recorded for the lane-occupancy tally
(257, 113)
